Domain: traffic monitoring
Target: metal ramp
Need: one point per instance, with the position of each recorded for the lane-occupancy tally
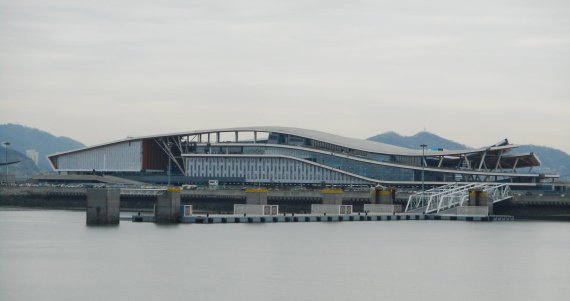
(449, 196)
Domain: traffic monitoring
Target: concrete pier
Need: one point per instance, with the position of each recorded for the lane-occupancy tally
(298, 218)
(247, 209)
(168, 206)
(332, 196)
(256, 196)
(382, 209)
(103, 206)
(382, 195)
(472, 211)
(478, 197)
(331, 209)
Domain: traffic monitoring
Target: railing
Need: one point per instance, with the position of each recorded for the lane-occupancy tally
(419, 200)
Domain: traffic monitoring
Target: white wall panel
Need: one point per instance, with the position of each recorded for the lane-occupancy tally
(124, 156)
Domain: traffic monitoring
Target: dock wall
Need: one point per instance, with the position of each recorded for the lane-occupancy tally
(537, 206)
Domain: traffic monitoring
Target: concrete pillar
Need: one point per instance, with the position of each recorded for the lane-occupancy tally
(478, 197)
(103, 206)
(484, 196)
(168, 206)
(332, 196)
(256, 196)
(382, 195)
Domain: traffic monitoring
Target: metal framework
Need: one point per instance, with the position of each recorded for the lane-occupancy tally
(449, 196)
(166, 144)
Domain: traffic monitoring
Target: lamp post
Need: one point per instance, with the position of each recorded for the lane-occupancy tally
(169, 152)
(6, 144)
(423, 146)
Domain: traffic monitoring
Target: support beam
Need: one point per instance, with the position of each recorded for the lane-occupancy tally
(515, 165)
(468, 162)
(163, 144)
(498, 161)
(482, 161)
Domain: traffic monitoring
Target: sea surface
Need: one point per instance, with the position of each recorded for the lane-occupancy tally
(52, 255)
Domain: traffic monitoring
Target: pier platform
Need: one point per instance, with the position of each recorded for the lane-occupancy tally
(304, 218)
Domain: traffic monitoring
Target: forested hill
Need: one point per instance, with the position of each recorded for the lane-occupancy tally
(22, 138)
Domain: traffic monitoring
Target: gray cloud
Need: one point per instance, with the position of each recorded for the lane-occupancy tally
(474, 71)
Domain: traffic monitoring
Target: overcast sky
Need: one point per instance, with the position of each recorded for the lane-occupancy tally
(471, 71)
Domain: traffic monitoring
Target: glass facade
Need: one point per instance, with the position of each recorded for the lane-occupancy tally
(338, 161)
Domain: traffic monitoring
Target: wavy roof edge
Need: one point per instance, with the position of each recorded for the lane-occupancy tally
(353, 143)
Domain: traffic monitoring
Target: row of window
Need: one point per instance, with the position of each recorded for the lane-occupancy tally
(266, 169)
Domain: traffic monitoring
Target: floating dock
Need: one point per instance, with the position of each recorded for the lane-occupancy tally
(305, 218)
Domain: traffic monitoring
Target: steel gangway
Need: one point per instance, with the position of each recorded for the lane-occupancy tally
(453, 195)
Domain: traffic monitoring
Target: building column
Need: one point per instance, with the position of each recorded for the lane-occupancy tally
(478, 197)
(382, 195)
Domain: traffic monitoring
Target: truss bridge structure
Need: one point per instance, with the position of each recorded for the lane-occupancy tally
(445, 197)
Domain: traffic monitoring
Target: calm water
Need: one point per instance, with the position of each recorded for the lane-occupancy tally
(52, 255)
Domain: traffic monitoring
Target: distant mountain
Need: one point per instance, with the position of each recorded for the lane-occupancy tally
(414, 142)
(23, 170)
(553, 160)
(22, 138)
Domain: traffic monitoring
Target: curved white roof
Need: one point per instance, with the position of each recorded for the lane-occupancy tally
(353, 143)
(358, 144)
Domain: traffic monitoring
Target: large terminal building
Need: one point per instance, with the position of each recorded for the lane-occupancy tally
(285, 155)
